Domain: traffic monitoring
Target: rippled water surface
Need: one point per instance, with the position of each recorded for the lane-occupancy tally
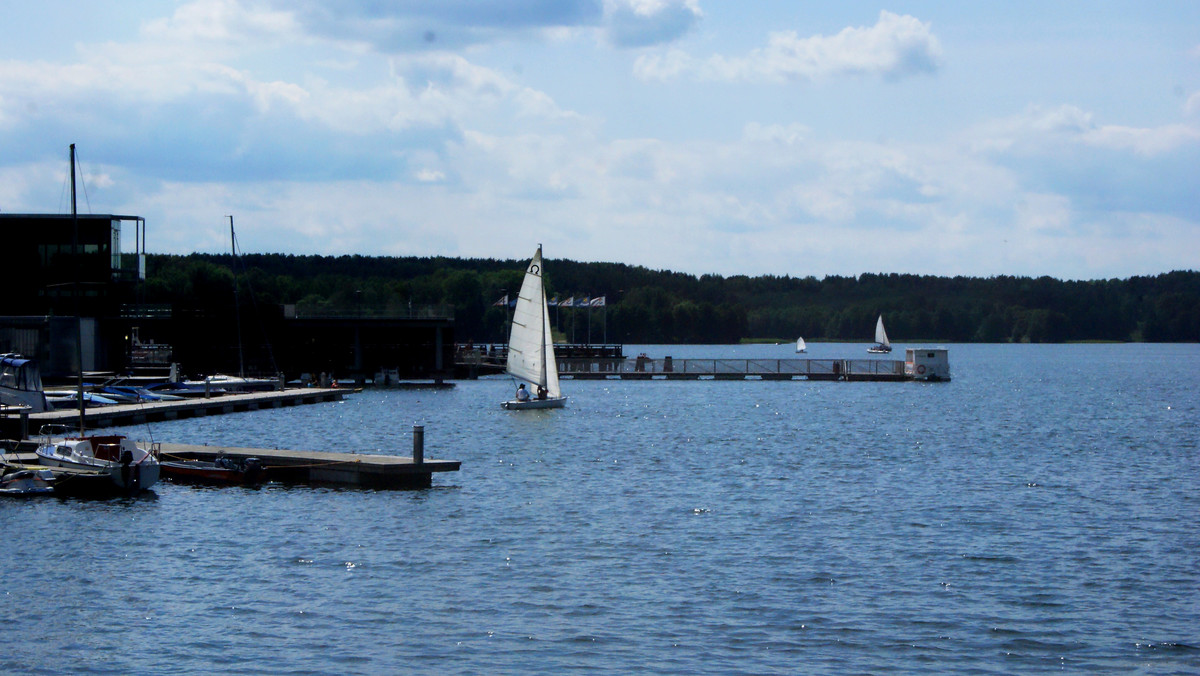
(1038, 513)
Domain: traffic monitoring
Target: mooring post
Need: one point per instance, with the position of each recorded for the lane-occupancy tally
(24, 424)
(418, 455)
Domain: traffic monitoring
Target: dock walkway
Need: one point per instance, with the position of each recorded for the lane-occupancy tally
(642, 368)
(21, 426)
(362, 470)
(357, 470)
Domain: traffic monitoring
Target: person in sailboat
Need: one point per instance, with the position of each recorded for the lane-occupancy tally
(522, 393)
(541, 392)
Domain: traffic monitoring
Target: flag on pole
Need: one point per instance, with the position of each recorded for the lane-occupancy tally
(502, 302)
(583, 302)
(570, 302)
(598, 301)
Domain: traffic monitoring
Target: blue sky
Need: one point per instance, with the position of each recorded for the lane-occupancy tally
(944, 138)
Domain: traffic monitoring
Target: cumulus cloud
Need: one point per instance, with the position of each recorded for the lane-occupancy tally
(221, 21)
(895, 47)
(1039, 130)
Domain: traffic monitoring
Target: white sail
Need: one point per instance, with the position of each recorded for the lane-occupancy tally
(800, 346)
(880, 334)
(530, 344)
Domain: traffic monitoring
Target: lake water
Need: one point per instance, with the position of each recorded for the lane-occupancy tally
(1039, 513)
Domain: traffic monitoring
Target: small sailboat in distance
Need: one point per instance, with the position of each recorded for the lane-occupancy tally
(531, 345)
(800, 346)
(882, 344)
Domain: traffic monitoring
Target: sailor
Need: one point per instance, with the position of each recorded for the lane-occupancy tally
(522, 393)
(541, 392)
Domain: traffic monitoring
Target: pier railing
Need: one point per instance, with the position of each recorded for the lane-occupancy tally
(772, 369)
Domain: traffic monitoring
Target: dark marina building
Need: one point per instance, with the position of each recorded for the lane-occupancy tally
(74, 277)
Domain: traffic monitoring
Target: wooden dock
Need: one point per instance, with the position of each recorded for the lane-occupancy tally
(360, 470)
(641, 368)
(324, 468)
(21, 426)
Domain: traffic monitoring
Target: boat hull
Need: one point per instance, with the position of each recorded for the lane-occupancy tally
(532, 404)
(27, 483)
(129, 476)
(204, 472)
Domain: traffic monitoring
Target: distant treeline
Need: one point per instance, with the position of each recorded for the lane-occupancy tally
(655, 306)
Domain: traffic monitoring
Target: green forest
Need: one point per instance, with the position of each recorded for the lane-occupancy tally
(659, 306)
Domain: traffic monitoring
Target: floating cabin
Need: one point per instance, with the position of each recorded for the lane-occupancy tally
(927, 363)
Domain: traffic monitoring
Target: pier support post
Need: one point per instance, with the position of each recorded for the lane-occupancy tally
(24, 424)
(418, 455)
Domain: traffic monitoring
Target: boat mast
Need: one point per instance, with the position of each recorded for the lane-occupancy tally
(237, 308)
(75, 292)
(541, 282)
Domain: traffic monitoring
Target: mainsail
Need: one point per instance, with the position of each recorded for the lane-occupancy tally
(880, 334)
(530, 343)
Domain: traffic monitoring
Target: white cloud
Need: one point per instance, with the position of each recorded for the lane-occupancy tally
(1040, 130)
(222, 21)
(1192, 105)
(360, 136)
(1143, 141)
(896, 46)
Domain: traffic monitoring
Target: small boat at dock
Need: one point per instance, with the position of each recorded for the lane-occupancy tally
(130, 468)
(25, 483)
(21, 383)
(222, 470)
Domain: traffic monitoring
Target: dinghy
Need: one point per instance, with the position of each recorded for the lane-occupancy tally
(531, 345)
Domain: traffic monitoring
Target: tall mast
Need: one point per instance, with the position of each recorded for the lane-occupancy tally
(542, 283)
(237, 308)
(75, 292)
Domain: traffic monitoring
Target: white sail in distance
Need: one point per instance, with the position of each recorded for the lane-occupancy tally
(880, 334)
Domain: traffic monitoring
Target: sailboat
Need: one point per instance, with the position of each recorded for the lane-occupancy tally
(531, 346)
(882, 344)
(130, 468)
(800, 346)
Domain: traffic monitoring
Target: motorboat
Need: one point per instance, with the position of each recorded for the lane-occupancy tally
(25, 483)
(131, 469)
(222, 470)
(21, 383)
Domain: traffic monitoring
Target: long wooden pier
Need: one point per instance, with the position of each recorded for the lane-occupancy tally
(642, 368)
(15, 425)
(360, 470)
(357, 470)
